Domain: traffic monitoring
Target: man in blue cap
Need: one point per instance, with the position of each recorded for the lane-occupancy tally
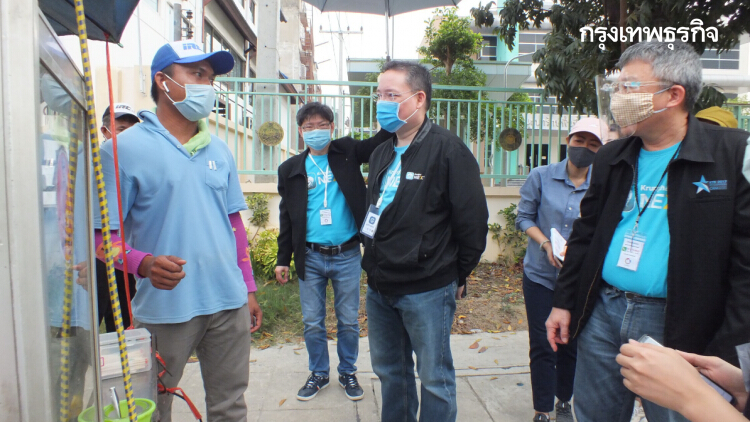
(184, 236)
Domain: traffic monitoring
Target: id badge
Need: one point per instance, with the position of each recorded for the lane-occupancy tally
(632, 248)
(371, 222)
(325, 218)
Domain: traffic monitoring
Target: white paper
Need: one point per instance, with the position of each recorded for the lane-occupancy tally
(558, 244)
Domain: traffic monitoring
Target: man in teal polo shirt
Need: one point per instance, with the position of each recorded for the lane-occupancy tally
(186, 242)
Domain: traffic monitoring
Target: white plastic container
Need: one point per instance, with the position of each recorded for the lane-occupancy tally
(138, 343)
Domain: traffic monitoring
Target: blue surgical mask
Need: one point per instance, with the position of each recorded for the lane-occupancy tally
(317, 139)
(388, 115)
(198, 103)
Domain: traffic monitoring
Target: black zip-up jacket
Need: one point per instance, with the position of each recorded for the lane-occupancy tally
(708, 267)
(345, 155)
(435, 230)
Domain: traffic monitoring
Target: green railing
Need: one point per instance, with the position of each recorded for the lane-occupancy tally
(477, 115)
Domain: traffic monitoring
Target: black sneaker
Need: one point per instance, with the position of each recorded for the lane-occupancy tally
(351, 386)
(314, 384)
(563, 412)
(540, 417)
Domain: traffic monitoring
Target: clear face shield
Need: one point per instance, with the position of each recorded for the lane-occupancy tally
(623, 105)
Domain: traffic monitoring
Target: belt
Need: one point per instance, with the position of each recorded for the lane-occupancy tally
(334, 250)
(631, 295)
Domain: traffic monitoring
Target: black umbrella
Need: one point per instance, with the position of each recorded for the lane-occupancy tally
(102, 17)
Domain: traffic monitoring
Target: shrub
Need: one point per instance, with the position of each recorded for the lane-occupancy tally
(263, 256)
(512, 241)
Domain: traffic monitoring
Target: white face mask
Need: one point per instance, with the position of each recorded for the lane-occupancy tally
(198, 103)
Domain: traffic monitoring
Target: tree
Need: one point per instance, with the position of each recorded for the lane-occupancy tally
(450, 40)
(567, 66)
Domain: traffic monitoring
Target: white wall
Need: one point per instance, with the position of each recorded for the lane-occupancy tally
(497, 199)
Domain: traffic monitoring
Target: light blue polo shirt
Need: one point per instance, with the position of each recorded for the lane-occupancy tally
(650, 279)
(175, 204)
(392, 176)
(342, 227)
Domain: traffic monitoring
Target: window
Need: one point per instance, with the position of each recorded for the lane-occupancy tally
(252, 11)
(529, 43)
(154, 4)
(729, 60)
(489, 48)
(170, 23)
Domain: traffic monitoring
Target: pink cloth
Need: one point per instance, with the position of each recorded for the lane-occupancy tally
(134, 256)
(243, 251)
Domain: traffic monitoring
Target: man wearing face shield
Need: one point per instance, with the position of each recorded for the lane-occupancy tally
(425, 231)
(186, 241)
(675, 267)
(322, 205)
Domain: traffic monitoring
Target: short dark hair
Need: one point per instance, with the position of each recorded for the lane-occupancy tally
(417, 76)
(314, 109)
(154, 89)
(127, 117)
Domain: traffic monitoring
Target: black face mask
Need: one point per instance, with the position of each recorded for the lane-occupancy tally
(581, 156)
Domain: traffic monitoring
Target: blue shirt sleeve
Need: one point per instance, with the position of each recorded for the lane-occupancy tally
(235, 198)
(531, 196)
(108, 174)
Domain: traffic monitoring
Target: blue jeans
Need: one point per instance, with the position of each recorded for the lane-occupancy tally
(344, 271)
(419, 323)
(599, 392)
(552, 373)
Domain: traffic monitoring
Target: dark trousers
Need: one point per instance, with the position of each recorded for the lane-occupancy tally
(102, 291)
(552, 373)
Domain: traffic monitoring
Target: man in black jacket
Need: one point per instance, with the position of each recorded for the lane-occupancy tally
(679, 273)
(322, 205)
(425, 231)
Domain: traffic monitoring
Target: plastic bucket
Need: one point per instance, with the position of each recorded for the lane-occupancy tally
(143, 407)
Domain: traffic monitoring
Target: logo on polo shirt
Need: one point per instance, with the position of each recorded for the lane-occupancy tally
(710, 185)
(311, 184)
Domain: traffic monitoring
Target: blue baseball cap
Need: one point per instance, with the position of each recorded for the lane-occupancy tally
(189, 51)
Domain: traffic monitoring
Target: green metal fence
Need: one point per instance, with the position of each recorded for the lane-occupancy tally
(477, 115)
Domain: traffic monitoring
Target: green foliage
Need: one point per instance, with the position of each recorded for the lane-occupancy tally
(511, 240)
(364, 106)
(257, 203)
(482, 15)
(452, 41)
(282, 313)
(263, 256)
(709, 97)
(567, 66)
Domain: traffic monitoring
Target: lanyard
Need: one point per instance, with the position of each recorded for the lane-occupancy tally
(325, 180)
(635, 189)
(390, 182)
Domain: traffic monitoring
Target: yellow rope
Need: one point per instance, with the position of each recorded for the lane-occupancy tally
(107, 240)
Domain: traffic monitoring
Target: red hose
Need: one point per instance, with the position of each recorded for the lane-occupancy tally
(113, 131)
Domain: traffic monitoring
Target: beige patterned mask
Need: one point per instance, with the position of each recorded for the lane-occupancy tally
(631, 108)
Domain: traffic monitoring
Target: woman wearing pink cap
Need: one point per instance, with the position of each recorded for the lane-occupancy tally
(550, 201)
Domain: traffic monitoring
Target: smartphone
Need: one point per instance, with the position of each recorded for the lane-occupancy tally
(253, 322)
(722, 392)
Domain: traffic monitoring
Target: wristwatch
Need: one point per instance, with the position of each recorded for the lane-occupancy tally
(541, 245)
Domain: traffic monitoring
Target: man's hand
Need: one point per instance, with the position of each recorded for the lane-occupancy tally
(83, 274)
(558, 325)
(282, 274)
(164, 271)
(460, 292)
(551, 256)
(256, 314)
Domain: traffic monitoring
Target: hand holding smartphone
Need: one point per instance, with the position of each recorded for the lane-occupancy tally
(722, 392)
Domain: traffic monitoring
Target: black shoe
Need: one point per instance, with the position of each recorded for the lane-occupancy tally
(314, 384)
(540, 417)
(563, 412)
(351, 387)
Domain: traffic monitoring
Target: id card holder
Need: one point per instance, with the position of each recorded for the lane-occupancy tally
(325, 217)
(632, 248)
(371, 222)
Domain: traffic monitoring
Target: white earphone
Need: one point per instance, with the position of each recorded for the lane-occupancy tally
(164, 83)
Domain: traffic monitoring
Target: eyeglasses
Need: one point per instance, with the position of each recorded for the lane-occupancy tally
(321, 125)
(388, 96)
(631, 86)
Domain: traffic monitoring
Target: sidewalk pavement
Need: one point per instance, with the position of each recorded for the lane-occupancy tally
(492, 386)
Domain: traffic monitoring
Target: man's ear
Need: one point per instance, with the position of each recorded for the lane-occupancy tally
(421, 99)
(102, 129)
(676, 95)
(160, 80)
